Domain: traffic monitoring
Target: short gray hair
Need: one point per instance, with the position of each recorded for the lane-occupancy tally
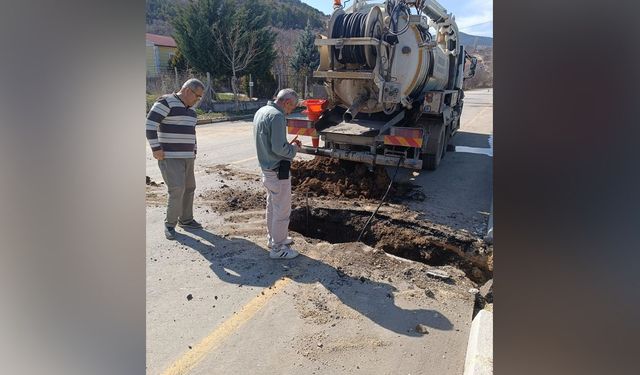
(286, 94)
(193, 84)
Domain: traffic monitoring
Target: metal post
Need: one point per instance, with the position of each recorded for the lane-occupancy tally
(175, 69)
(250, 87)
(306, 92)
(209, 87)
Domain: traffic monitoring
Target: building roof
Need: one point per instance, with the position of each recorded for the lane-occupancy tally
(161, 40)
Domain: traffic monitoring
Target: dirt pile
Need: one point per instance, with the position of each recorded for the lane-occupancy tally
(339, 178)
(227, 199)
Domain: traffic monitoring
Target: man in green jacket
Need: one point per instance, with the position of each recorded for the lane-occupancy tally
(275, 154)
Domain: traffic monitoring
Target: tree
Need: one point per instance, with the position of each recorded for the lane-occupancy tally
(224, 38)
(178, 61)
(193, 34)
(238, 48)
(306, 57)
(255, 16)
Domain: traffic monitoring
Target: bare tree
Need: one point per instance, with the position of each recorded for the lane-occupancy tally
(238, 48)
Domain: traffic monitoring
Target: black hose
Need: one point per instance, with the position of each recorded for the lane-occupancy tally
(381, 201)
(350, 25)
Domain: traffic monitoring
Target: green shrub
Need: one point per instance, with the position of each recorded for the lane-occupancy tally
(151, 98)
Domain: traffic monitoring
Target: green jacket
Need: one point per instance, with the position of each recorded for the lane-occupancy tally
(270, 135)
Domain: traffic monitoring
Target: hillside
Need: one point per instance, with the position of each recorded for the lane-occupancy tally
(284, 14)
(289, 17)
(469, 41)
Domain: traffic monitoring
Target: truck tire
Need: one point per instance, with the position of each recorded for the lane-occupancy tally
(450, 132)
(436, 146)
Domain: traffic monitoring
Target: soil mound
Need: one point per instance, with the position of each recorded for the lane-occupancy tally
(331, 177)
(227, 200)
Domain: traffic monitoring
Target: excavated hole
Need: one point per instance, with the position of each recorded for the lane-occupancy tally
(423, 242)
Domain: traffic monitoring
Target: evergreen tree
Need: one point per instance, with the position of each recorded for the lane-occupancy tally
(193, 34)
(178, 61)
(255, 15)
(202, 24)
(306, 57)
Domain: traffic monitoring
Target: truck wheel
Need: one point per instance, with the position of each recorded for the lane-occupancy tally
(445, 144)
(436, 146)
(456, 125)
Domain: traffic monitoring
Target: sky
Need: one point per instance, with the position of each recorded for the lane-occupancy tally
(473, 17)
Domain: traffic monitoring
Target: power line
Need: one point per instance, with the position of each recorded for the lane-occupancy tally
(477, 24)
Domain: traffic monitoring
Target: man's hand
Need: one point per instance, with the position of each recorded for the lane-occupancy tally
(296, 142)
(159, 154)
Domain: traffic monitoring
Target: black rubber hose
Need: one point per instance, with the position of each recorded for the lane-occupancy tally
(381, 201)
(351, 25)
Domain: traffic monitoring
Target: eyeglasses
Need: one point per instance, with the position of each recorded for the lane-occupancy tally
(195, 93)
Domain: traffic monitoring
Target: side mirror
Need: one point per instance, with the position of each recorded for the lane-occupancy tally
(473, 61)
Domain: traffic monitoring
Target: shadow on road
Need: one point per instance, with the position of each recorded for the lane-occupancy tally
(467, 139)
(242, 262)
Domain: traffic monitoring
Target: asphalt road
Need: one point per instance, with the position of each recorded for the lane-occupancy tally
(216, 303)
(458, 193)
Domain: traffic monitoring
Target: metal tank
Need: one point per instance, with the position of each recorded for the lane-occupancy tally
(402, 54)
(393, 73)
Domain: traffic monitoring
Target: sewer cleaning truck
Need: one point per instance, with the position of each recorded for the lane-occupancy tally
(393, 73)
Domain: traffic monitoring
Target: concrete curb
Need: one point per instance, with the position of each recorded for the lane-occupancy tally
(222, 119)
(479, 359)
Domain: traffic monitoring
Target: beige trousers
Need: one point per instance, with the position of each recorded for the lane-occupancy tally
(181, 183)
(278, 206)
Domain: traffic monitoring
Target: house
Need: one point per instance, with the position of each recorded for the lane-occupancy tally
(160, 49)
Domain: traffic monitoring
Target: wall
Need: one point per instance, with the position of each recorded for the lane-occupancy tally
(231, 106)
(164, 54)
(152, 70)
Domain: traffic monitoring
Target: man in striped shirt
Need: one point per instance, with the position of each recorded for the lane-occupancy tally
(171, 132)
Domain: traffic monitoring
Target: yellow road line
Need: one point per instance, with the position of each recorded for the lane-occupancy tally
(184, 364)
(476, 116)
(244, 160)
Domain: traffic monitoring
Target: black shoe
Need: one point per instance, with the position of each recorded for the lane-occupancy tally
(190, 225)
(170, 232)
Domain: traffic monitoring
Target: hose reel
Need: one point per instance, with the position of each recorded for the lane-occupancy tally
(358, 25)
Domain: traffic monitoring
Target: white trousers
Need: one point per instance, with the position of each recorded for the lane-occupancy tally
(278, 206)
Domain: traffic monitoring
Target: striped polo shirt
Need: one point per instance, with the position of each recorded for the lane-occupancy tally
(171, 127)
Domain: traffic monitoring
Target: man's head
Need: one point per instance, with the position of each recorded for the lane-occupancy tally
(191, 91)
(287, 99)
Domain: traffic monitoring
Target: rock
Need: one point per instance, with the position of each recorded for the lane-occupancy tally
(486, 291)
(477, 273)
(438, 274)
(429, 293)
(189, 297)
(320, 345)
(474, 291)
(421, 328)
